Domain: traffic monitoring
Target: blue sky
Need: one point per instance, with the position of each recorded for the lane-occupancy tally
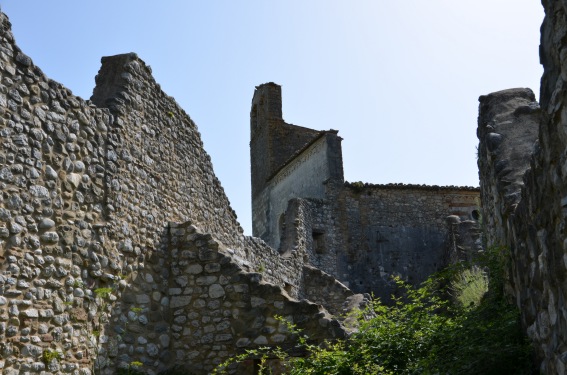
(399, 79)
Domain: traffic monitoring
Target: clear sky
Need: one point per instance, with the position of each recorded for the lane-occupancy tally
(399, 79)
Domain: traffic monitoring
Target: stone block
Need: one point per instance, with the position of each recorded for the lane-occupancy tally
(179, 301)
(216, 291)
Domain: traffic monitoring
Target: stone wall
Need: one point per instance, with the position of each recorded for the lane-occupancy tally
(162, 171)
(53, 167)
(362, 234)
(396, 230)
(287, 161)
(464, 239)
(219, 310)
(336, 297)
(526, 193)
(272, 141)
(304, 176)
(507, 129)
(94, 272)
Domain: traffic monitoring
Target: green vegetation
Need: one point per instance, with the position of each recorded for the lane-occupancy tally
(470, 286)
(357, 186)
(134, 368)
(457, 322)
(47, 356)
(103, 292)
(136, 310)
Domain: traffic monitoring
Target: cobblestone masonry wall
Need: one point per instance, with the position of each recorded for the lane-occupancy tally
(535, 228)
(87, 272)
(53, 167)
(162, 171)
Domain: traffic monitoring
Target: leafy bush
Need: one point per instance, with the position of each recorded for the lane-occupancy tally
(425, 331)
(487, 338)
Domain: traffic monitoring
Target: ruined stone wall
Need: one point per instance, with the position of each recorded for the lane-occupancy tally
(163, 173)
(274, 145)
(273, 142)
(307, 234)
(361, 234)
(53, 167)
(323, 242)
(533, 220)
(92, 271)
(507, 129)
(464, 241)
(337, 295)
(218, 309)
(364, 235)
(305, 176)
(396, 230)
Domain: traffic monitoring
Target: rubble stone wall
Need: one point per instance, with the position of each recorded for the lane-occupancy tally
(396, 230)
(362, 234)
(524, 191)
(162, 171)
(219, 310)
(53, 167)
(303, 177)
(94, 272)
(507, 129)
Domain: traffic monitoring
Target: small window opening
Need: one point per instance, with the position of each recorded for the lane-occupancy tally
(319, 242)
(281, 226)
(475, 215)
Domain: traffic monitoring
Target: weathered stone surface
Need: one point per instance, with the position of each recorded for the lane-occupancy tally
(524, 185)
(46, 224)
(216, 291)
(179, 301)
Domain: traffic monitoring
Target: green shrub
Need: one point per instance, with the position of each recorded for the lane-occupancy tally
(424, 331)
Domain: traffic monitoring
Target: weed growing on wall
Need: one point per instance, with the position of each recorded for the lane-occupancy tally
(134, 368)
(48, 356)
